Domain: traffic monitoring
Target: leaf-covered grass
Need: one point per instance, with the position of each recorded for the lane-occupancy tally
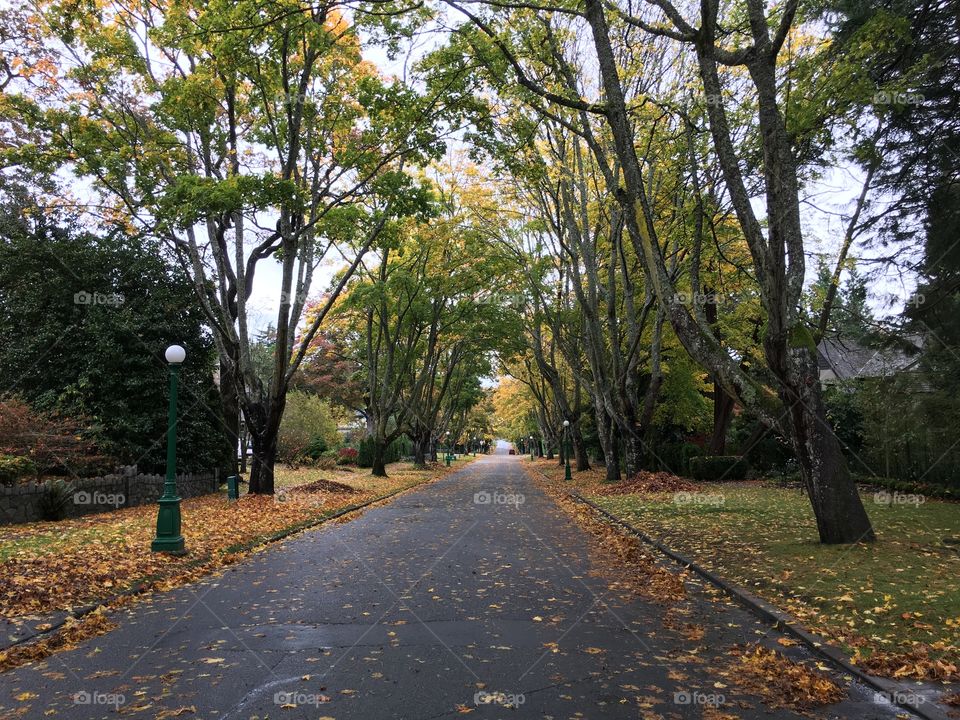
(56, 566)
(895, 595)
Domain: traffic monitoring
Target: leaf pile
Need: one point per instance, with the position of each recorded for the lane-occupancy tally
(780, 681)
(323, 485)
(72, 633)
(648, 482)
(917, 664)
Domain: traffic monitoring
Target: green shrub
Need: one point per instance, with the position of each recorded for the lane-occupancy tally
(316, 448)
(718, 467)
(15, 467)
(932, 490)
(395, 450)
(57, 495)
(308, 428)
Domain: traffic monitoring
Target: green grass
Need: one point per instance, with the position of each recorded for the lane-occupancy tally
(16, 541)
(900, 590)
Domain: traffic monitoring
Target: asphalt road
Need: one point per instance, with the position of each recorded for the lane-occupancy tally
(474, 595)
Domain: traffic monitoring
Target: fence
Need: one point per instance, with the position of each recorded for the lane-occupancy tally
(125, 488)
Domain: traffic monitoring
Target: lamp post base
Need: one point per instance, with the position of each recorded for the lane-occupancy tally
(168, 539)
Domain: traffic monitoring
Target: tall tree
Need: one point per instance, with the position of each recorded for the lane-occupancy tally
(240, 134)
(785, 390)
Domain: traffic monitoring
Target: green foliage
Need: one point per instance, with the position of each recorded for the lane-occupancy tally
(316, 448)
(845, 416)
(675, 457)
(718, 467)
(190, 198)
(401, 447)
(85, 320)
(308, 428)
(57, 496)
(15, 467)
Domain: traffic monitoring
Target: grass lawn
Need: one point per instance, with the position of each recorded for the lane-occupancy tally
(55, 566)
(894, 595)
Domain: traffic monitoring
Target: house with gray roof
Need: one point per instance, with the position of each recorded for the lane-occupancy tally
(840, 358)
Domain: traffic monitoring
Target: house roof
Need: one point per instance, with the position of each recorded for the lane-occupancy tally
(847, 359)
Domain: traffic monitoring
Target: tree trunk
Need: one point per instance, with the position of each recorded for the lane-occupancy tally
(263, 423)
(841, 517)
(379, 468)
(261, 466)
(608, 441)
(231, 418)
(420, 443)
(633, 453)
(722, 415)
(421, 446)
(580, 451)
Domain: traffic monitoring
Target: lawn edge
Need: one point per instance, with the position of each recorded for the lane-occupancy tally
(782, 621)
(261, 541)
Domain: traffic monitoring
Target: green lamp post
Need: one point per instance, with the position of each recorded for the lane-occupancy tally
(566, 450)
(169, 539)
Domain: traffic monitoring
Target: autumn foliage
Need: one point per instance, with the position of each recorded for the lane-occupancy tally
(53, 443)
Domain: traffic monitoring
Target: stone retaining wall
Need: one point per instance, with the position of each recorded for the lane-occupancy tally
(125, 488)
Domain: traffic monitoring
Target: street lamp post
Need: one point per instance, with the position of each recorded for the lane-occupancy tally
(566, 450)
(531, 447)
(168, 537)
(447, 454)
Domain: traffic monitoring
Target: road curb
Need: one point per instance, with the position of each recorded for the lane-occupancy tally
(260, 541)
(781, 621)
